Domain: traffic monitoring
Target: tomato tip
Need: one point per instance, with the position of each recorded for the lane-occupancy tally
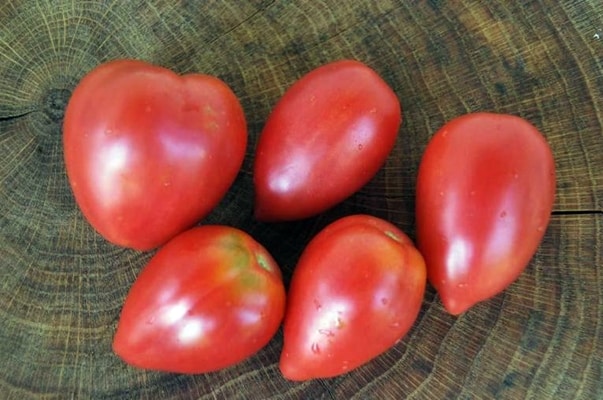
(454, 307)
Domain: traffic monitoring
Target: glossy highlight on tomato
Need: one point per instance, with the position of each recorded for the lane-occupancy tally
(485, 192)
(356, 290)
(148, 152)
(208, 299)
(326, 138)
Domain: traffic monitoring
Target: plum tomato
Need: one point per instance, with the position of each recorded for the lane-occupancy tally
(326, 138)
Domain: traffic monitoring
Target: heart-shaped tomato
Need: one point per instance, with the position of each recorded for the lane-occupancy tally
(356, 290)
(211, 297)
(148, 152)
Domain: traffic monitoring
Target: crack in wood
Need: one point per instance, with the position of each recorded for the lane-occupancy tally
(16, 116)
(578, 212)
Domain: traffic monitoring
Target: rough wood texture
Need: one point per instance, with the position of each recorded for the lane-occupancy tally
(62, 286)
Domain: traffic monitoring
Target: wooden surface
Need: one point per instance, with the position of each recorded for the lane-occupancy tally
(62, 286)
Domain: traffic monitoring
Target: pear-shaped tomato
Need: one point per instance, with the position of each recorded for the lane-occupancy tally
(485, 191)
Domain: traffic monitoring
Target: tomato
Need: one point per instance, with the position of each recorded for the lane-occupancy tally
(148, 152)
(208, 299)
(327, 137)
(485, 192)
(357, 289)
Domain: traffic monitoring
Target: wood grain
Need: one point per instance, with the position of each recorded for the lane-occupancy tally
(62, 286)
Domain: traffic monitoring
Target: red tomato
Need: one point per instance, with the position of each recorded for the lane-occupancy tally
(326, 138)
(355, 292)
(485, 191)
(149, 153)
(209, 298)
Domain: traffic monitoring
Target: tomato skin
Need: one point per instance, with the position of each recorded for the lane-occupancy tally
(326, 138)
(208, 299)
(148, 152)
(485, 192)
(357, 289)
